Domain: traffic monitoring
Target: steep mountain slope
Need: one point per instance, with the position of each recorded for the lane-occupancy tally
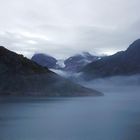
(21, 76)
(122, 63)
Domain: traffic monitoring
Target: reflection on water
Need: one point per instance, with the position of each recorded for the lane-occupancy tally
(115, 116)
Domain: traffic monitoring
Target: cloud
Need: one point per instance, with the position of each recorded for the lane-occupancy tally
(64, 27)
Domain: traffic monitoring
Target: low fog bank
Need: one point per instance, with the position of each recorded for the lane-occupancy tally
(70, 75)
(117, 83)
(61, 73)
(106, 85)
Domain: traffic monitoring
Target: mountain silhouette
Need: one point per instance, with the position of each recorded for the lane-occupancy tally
(21, 76)
(44, 60)
(78, 61)
(122, 63)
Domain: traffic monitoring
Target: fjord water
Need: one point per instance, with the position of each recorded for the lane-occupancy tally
(114, 116)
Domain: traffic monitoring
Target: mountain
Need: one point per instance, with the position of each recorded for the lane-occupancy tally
(76, 62)
(122, 63)
(44, 60)
(72, 64)
(21, 76)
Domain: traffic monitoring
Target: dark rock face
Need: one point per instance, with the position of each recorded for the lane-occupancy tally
(13, 63)
(122, 63)
(21, 76)
(45, 60)
(76, 62)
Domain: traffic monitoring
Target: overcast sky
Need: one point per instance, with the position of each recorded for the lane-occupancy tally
(64, 27)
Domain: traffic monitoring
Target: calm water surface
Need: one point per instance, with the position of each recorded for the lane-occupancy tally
(115, 116)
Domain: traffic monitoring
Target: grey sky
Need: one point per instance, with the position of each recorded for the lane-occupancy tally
(65, 27)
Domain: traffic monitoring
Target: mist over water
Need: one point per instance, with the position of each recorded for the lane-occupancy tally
(112, 84)
(114, 116)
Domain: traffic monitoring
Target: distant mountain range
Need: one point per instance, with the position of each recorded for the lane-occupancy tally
(122, 63)
(71, 64)
(21, 76)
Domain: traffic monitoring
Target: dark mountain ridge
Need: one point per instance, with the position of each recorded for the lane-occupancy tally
(122, 63)
(21, 76)
(10, 62)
